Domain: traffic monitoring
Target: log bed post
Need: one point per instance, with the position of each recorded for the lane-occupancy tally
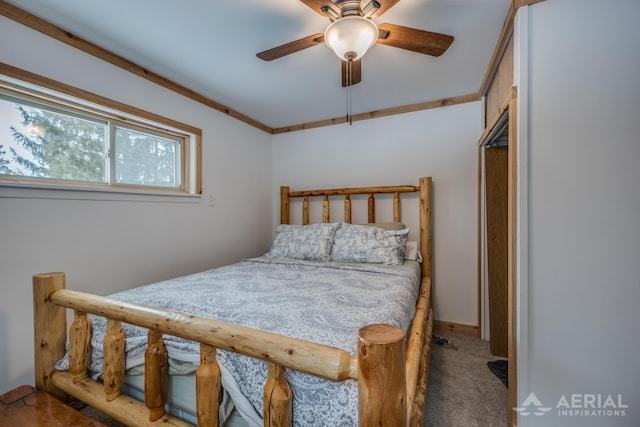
(278, 398)
(50, 330)
(156, 376)
(425, 227)
(79, 346)
(347, 209)
(208, 387)
(114, 360)
(397, 216)
(305, 211)
(325, 209)
(382, 397)
(284, 205)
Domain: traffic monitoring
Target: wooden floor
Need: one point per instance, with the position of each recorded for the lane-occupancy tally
(27, 407)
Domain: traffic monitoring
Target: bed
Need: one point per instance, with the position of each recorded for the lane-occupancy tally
(332, 327)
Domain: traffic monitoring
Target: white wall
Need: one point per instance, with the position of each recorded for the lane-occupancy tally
(583, 152)
(441, 143)
(105, 246)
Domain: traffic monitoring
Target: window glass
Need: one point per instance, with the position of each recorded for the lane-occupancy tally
(145, 159)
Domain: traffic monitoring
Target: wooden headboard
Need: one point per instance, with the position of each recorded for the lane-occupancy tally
(423, 189)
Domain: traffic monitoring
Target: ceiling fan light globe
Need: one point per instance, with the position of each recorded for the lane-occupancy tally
(350, 37)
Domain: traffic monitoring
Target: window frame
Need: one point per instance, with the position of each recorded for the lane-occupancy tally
(32, 88)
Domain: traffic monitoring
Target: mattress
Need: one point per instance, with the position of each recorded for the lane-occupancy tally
(181, 400)
(324, 302)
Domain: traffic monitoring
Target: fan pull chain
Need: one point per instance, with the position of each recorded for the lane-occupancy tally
(349, 81)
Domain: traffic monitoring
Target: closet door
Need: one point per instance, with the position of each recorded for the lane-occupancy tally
(496, 179)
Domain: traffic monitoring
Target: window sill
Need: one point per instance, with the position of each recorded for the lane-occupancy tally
(14, 190)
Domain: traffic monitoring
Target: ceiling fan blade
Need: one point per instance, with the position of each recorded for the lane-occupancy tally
(317, 5)
(434, 44)
(356, 72)
(384, 6)
(291, 47)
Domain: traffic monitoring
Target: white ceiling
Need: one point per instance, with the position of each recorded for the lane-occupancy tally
(209, 46)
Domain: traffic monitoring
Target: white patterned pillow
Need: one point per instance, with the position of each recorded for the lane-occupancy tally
(363, 243)
(311, 242)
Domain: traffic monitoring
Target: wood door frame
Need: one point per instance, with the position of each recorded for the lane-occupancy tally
(508, 106)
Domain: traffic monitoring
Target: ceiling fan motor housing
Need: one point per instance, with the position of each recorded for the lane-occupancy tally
(349, 7)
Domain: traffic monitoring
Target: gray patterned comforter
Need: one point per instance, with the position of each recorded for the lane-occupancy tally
(323, 302)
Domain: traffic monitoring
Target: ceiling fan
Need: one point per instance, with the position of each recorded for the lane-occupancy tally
(351, 32)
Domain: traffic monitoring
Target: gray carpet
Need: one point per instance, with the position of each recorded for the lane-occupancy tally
(462, 391)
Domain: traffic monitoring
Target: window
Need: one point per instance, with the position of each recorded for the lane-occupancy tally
(52, 139)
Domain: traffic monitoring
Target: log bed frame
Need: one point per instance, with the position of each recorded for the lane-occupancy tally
(391, 369)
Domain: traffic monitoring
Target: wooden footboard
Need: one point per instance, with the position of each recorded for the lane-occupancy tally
(390, 374)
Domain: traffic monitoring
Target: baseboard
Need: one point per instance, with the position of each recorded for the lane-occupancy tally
(441, 326)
